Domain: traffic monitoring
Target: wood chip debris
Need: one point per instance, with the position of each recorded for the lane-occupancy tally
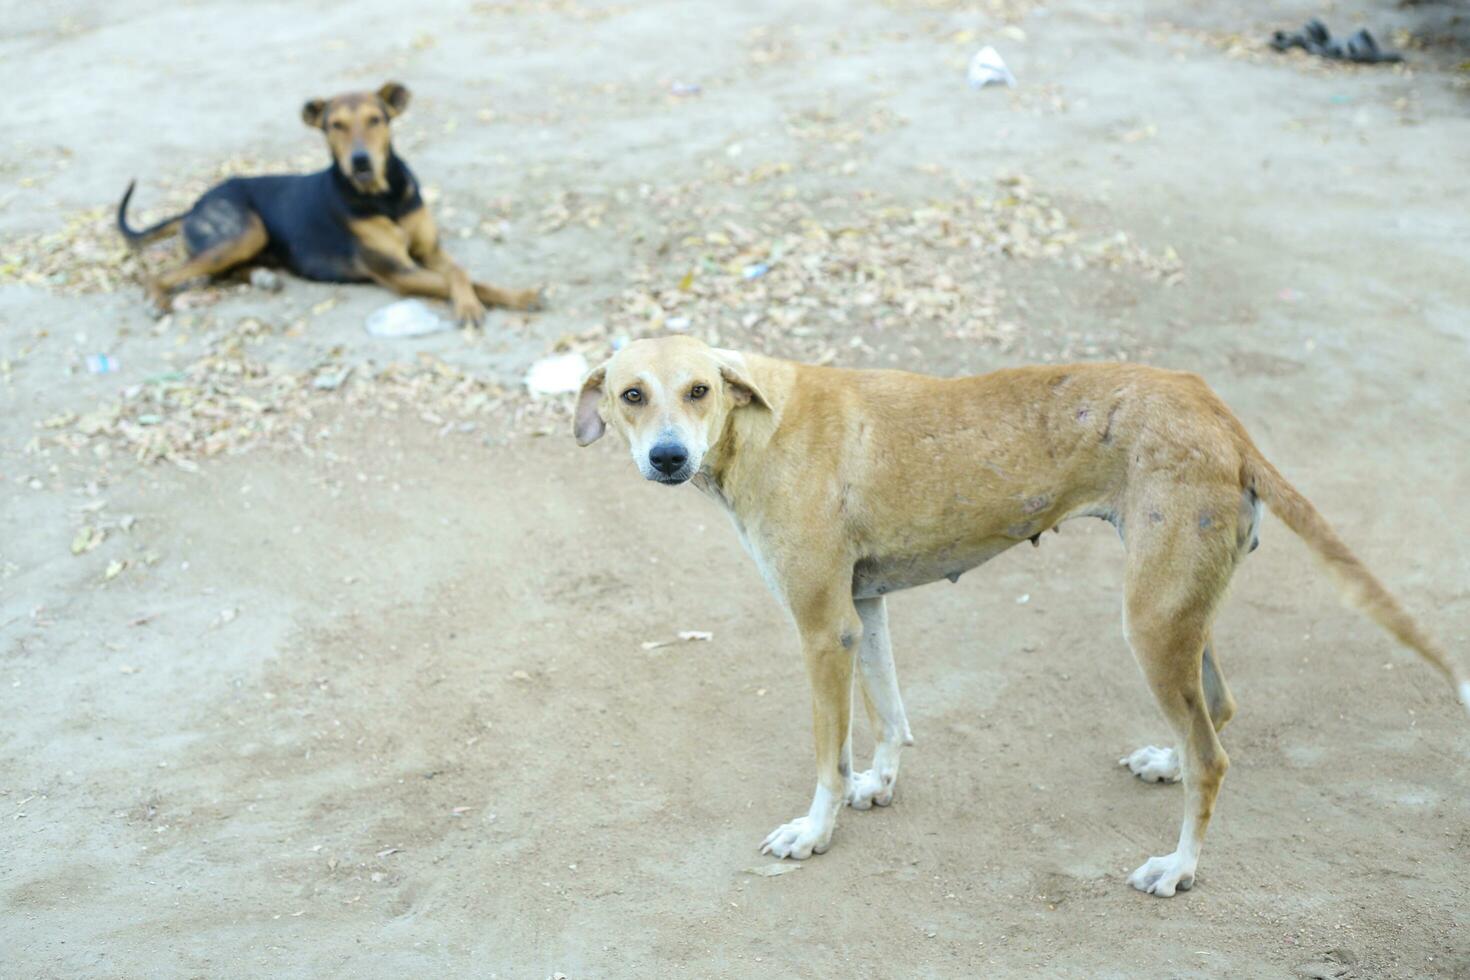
(774, 869)
(231, 400)
(755, 259)
(684, 636)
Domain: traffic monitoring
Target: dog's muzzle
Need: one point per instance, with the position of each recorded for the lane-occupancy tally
(669, 462)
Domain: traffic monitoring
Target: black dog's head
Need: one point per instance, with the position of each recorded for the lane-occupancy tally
(356, 126)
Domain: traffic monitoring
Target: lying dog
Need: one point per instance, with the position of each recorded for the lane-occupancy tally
(847, 485)
(360, 220)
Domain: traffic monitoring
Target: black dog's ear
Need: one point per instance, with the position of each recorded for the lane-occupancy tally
(395, 98)
(314, 113)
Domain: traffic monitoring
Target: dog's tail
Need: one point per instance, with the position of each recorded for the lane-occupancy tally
(1358, 586)
(138, 238)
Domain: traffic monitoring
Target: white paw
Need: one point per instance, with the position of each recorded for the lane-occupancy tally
(871, 788)
(1161, 876)
(798, 840)
(1153, 764)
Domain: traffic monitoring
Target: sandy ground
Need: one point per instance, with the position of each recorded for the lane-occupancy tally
(376, 704)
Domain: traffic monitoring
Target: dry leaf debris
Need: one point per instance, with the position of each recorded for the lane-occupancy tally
(230, 400)
(87, 255)
(756, 256)
(803, 274)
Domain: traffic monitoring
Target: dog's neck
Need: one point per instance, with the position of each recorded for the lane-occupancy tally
(399, 198)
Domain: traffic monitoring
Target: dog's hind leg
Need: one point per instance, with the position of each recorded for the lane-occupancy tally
(1217, 696)
(1173, 587)
(878, 680)
(1160, 764)
(247, 240)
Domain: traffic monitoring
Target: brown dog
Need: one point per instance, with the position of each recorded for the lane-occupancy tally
(845, 485)
(360, 220)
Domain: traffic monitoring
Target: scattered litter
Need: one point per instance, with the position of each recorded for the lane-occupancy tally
(519, 675)
(774, 869)
(988, 68)
(128, 669)
(225, 617)
(266, 279)
(1022, 600)
(330, 380)
(685, 636)
(86, 539)
(557, 375)
(389, 850)
(1314, 38)
(683, 90)
(102, 364)
(755, 270)
(114, 569)
(406, 318)
(678, 324)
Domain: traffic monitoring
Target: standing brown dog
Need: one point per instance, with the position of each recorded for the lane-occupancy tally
(360, 220)
(846, 485)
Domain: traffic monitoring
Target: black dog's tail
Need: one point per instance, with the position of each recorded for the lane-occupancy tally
(153, 232)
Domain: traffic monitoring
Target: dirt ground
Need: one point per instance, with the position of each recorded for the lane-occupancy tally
(364, 693)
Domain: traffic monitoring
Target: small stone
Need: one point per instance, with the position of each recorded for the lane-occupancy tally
(266, 279)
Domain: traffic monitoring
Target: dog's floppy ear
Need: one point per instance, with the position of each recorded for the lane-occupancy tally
(314, 113)
(395, 98)
(588, 425)
(742, 389)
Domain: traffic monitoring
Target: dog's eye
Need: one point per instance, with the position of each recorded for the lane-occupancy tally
(340, 126)
(633, 396)
(374, 121)
(698, 392)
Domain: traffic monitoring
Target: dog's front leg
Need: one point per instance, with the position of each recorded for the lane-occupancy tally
(424, 249)
(879, 682)
(830, 629)
(467, 306)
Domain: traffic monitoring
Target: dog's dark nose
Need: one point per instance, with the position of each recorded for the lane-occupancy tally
(668, 457)
(361, 162)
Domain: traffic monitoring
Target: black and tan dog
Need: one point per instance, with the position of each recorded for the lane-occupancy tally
(360, 220)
